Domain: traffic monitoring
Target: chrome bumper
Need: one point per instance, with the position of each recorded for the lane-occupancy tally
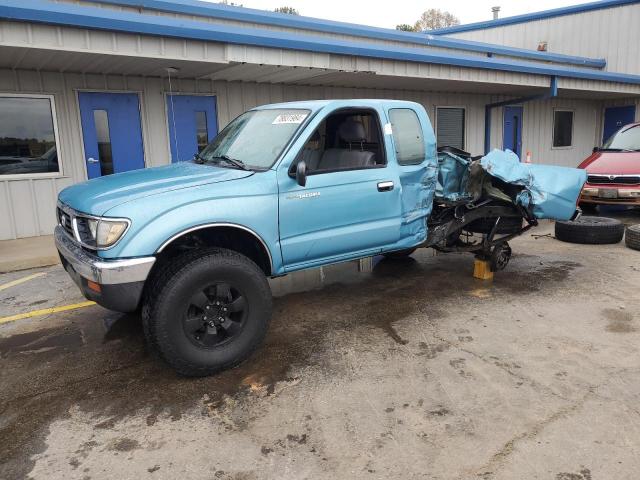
(96, 269)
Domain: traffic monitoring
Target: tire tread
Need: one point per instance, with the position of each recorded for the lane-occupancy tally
(632, 237)
(590, 230)
(163, 279)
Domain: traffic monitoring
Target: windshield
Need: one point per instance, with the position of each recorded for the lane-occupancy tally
(625, 140)
(256, 138)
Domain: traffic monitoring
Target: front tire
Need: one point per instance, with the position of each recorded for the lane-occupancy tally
(207, 311)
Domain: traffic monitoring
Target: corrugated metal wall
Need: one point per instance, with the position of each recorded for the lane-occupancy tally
(611, 33)
(538, 131)
(27, 205)
(527, 42)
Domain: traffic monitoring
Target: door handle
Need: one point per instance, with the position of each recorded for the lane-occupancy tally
(385, 186)
(92, 160)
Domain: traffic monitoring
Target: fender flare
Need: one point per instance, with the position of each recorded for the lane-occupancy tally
(209, 225)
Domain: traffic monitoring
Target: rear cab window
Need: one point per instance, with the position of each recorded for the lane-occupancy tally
(408, 137)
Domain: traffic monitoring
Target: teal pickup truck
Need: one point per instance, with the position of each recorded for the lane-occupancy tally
(283, 188)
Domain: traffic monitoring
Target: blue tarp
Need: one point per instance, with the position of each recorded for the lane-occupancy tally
(552, 191)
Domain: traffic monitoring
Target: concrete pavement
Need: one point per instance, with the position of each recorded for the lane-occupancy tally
(410, 370)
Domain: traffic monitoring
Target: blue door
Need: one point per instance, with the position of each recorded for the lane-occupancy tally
(512, 130)
(111, 132)
(193, 123)
(339, 213)
(616, 117)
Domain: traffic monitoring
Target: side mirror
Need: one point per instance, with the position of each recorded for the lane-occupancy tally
(301, 173)
(595, 149)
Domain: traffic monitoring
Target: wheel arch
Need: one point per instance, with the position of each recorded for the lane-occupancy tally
(232, 236)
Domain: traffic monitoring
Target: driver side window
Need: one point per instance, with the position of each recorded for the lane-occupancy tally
(348, 139)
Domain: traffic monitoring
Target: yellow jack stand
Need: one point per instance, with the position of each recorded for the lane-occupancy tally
(482, 269)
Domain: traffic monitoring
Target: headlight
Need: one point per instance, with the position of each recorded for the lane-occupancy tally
(100, 232)
(109, 232)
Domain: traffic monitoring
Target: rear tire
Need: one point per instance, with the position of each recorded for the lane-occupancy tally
(207, 311)
(400, 253)
(632, 237)
(590, 230)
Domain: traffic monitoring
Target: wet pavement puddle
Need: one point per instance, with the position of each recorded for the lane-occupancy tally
(99, 362)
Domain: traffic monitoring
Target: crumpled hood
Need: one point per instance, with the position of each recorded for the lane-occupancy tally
(551, 191)
(101, 194)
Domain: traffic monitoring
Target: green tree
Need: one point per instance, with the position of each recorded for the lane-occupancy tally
(405, 27)
(289, 10)
(435, 18)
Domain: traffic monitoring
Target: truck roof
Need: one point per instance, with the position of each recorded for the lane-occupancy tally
(315, 105)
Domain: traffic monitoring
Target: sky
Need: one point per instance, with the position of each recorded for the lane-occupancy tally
(391, 13)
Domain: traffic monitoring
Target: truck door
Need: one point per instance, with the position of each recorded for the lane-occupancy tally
(350, 205)
(414, 149)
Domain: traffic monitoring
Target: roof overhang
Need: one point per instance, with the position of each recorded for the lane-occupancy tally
(69, 38)
(58, 14)
(209, 10)
(93, 67)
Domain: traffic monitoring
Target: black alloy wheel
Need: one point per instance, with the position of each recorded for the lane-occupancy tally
(215, 314)
(206, 311)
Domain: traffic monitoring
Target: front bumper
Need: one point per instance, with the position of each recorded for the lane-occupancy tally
(610, 195)
(120, 281)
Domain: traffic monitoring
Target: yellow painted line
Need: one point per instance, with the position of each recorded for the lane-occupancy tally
(45, 311)
(21, 280)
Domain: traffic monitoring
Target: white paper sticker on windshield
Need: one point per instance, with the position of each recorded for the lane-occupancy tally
(289, 118)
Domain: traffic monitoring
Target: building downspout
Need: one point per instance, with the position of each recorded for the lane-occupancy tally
(552, 93)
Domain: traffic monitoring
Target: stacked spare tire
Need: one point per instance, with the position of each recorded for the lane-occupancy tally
(632, 237)
(590, 230)
(597, 231)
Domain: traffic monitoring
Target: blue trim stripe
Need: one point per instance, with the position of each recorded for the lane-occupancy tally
(530, 17)
(227, 12)
(98, 18)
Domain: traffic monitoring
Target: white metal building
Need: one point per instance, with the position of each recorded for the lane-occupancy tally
(605, 29)
(93, 87)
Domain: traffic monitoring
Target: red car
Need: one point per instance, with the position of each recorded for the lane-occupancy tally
(614, 170)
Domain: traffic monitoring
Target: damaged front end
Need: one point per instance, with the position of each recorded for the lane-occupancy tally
(482, 202)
